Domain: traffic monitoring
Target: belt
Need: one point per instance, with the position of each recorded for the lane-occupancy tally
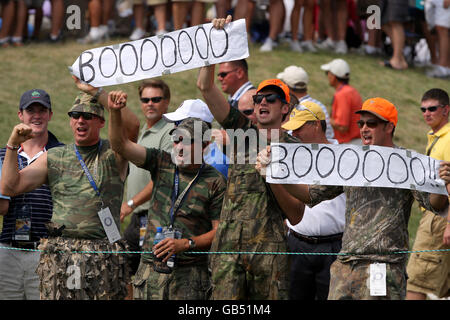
(316, 239)
(23, 244)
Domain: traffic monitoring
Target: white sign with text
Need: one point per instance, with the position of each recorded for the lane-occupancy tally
(351, 165)
(172, 52)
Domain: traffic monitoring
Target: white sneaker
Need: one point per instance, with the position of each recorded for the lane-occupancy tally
(137, 34)
(95, 35)
(308, 46)
(295, 46)
(341, 47)
(438, 71)
(160, 32)
(268, 45)
(327, 44)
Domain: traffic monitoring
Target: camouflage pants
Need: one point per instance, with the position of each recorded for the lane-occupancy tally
(184, 283)
(350, 281)
(254, 277)
(66, 274)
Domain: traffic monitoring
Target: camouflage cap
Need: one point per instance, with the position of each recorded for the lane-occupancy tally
(194, 127)
(86, 103)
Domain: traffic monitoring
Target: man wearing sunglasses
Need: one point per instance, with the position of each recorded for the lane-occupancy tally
(18, 279)
(154, 95)
(233, 78)
(86, 180)
(376, 219)
(187, 196)
(429, 272)
(251, 219)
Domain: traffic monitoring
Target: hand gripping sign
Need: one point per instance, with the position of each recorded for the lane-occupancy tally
(351, 165)
(172, 52)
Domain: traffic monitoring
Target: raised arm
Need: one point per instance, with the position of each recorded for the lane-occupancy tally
(214, 98)
(120, 143)
(16, 182)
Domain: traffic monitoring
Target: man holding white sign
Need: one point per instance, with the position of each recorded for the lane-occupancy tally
(86, 181)
(376, 219)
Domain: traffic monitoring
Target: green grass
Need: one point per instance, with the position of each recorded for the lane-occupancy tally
(45, 66)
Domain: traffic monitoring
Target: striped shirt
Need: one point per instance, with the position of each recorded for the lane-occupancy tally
(39, 199)
(234, 100)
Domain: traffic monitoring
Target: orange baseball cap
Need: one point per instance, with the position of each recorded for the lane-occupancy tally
(380, 108)
(277, 83)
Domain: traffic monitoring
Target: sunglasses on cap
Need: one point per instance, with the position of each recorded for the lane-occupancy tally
(177, 139)
(270, 98)
(224, 74)
(247, 112)
(85, 115)
(153, 99)
(312, 112)
(371, 123)
(432, 108)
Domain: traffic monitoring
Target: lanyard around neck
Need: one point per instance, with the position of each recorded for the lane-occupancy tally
(176, 204)
(85, 168)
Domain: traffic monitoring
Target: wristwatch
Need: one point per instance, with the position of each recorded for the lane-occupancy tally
(191, 244)
(97, 94)
(130, 203)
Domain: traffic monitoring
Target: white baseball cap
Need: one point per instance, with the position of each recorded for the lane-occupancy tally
(295, 77)
(193, 108)
(338, 67)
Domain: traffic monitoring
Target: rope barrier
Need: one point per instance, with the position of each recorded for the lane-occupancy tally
(242, 252)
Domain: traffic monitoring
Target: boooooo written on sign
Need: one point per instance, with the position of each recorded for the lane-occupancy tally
(351, 165)
(172, 52)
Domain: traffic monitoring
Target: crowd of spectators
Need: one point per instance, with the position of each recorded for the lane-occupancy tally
(391, 30)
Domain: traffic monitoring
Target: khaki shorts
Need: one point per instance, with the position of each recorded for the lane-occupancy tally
(148, 2)
(429, 272)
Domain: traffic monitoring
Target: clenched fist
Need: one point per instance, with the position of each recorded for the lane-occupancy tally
(20, 134)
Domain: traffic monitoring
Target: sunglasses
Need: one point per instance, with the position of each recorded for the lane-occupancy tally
(177, 139)
(85, 115)
(371, 123)
(431, 109)
(310, 111)
(270, 98)
(247, 112)
(153, 99)
(224, 74)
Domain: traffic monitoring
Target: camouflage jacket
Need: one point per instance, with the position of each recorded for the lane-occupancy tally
(376, 220)
(251, 217)
(201, 205)
(75, 203)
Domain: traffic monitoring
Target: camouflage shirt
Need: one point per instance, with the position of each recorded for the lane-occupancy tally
(201, 205)
(251, 217)
(376, 220)
(75, 203)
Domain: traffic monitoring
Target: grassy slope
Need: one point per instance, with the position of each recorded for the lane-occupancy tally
(44, 66)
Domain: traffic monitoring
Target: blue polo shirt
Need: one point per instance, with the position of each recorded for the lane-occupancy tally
(39, 199)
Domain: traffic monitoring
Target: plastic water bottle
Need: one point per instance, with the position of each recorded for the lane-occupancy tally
(158, 236)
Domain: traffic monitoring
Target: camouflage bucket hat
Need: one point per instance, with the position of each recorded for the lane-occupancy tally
(86, 103)
(194, 128)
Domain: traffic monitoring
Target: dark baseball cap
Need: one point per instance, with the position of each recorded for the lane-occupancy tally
(35, 96)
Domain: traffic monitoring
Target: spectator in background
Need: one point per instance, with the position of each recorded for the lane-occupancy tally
(374, 44)
(276, 18)
(4, 201)
(233, 77)
(14, 14)
(180, 10)
(58, 14)
(100, 12)
(334, 15)
(429, 271)
(437, 15)
(393, 14)
(346, 101)
(308, 26)
(246, 105)
(297, 80)
(139, 8)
